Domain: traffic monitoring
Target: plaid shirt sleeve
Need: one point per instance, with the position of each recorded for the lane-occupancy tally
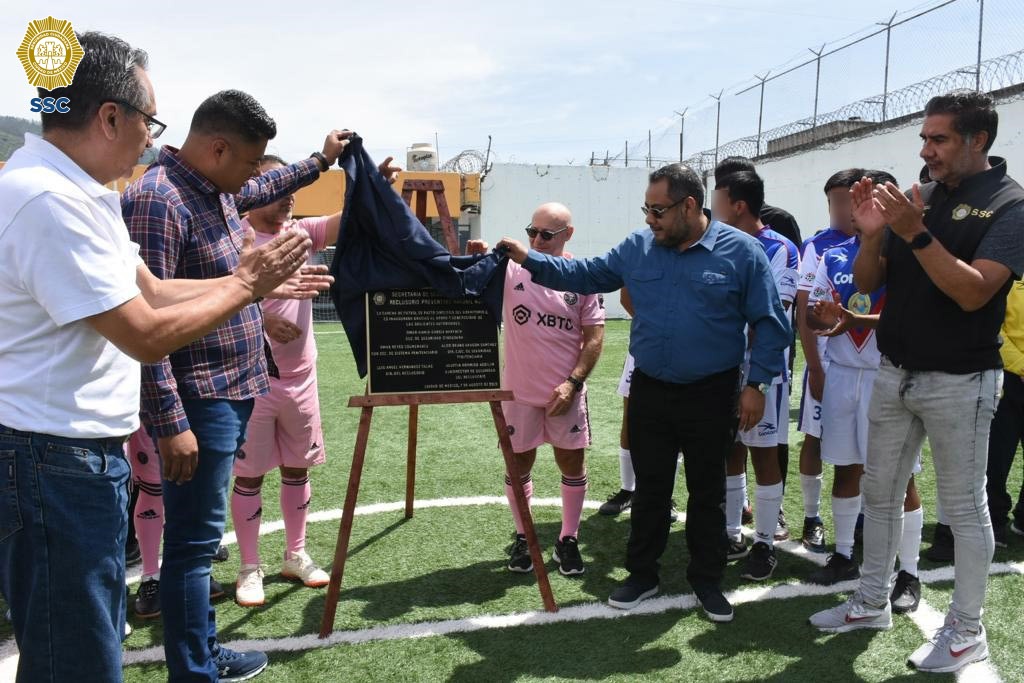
(161, 237)
(276, 183)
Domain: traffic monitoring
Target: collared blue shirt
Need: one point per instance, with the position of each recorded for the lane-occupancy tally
(691, 306)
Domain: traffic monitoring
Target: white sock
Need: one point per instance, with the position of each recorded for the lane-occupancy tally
(940, 516)
(626, 475)
(810, 485)
(910, 543)
(679, 463)
(767, 503)
(844, 516)
(735, 490)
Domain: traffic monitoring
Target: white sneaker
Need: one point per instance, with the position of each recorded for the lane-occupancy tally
(950, 649)
(249, 586)
(300, 567)
(851, 615)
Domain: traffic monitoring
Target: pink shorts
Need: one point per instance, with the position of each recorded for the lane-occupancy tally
(284, 430)
(143, 457)
(530, 426)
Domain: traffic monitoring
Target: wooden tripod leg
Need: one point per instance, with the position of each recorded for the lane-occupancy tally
(524, 509)
(410, 462)
(345, 530)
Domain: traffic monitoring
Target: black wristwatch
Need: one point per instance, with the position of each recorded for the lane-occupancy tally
(577, 384)
(324, 166)
(920, 240)
(760, 386)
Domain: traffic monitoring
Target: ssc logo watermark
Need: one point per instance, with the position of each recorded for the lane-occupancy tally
(50, 54)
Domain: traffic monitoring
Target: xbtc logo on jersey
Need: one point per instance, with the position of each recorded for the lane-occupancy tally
(521, 314)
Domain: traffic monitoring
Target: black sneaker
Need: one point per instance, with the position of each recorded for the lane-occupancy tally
(216, 590)
(781, 529)
(567, 556)
(906, 593)
(858, 531)
(760, 562)
(673, 512)
(813, 537)
(519, 560)
(737, 550)
(716, 606)
(617, 504)
(132, 553)
(221, 555)
(237, 666)
(838, 568)
(942, 545)
(747, 517)
(1000, 535)
(147, 599)
(630, 594)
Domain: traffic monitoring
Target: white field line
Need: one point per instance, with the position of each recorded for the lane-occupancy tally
(927, 618)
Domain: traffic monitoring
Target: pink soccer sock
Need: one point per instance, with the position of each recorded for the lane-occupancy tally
(246, 512)
(295, 497)
(527, 480)
(149, 525)
(574, 491)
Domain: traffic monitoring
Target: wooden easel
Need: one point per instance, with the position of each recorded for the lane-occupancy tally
(367, 403)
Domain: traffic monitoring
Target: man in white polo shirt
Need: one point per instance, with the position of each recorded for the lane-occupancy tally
(79, 312)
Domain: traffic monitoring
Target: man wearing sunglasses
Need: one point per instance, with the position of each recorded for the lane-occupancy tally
(695, 283)
(552, 341)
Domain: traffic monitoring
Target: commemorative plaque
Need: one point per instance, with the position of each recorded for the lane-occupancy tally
(420, 341)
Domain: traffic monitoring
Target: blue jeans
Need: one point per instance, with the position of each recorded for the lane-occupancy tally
(63, 524)
(194, 516)
(955, 412)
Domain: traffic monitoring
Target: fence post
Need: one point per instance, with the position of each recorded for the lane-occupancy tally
(981, 25)
(817, 84)
(885, 84)
(760, 111)
(682, 131)
(718, 120)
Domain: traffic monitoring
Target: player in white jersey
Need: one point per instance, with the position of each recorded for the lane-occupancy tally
(853, 363)
(837, 192)
(737, 201)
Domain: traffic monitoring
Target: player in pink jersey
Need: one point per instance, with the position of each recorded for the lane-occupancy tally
(552, 342)
(284, 430)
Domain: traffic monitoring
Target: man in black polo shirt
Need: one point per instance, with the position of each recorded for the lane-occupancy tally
(947, 261)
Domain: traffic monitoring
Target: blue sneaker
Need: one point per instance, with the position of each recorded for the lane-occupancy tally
(238, 666)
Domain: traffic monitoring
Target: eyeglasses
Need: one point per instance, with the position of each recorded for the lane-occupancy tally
(546, 235)
(155, 127)
(659, 212)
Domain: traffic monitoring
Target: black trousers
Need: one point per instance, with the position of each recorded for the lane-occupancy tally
(700, 420)
(1006, 434)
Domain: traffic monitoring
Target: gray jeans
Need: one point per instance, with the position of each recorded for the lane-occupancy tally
(955, 412)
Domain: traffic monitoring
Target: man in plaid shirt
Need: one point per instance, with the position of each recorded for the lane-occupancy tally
(183, 213)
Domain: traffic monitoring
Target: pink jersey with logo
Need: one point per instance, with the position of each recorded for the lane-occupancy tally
(543, 334)
(299, 355)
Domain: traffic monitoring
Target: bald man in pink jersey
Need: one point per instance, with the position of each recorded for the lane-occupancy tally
(552, 342)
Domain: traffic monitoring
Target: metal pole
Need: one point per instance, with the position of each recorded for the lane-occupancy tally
(718, 120)
(885, 84)
(649, 148)
(817, 84)
(682, 130)
(981, 24)
(627, 153)
(760, 112)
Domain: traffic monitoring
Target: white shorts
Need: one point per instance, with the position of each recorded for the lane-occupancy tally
(809, 417)
(773, 429)
(531, 426)
(627, 376)
(844, 433)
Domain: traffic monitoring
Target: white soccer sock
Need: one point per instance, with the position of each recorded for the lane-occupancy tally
(626, 474)
(810, 486)
(767, 503)
(910, 543)
(735, 490)
(844, 516)
(679, 463)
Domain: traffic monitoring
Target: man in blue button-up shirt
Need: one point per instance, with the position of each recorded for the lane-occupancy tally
(695, 284)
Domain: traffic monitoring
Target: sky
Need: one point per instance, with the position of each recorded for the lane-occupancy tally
(550, 82)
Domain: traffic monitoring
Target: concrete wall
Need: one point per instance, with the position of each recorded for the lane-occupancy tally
(605, 203)
(795, 183)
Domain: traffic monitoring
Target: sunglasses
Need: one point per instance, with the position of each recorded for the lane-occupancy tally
(156, 128)
(546, 235)
(659, 212)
